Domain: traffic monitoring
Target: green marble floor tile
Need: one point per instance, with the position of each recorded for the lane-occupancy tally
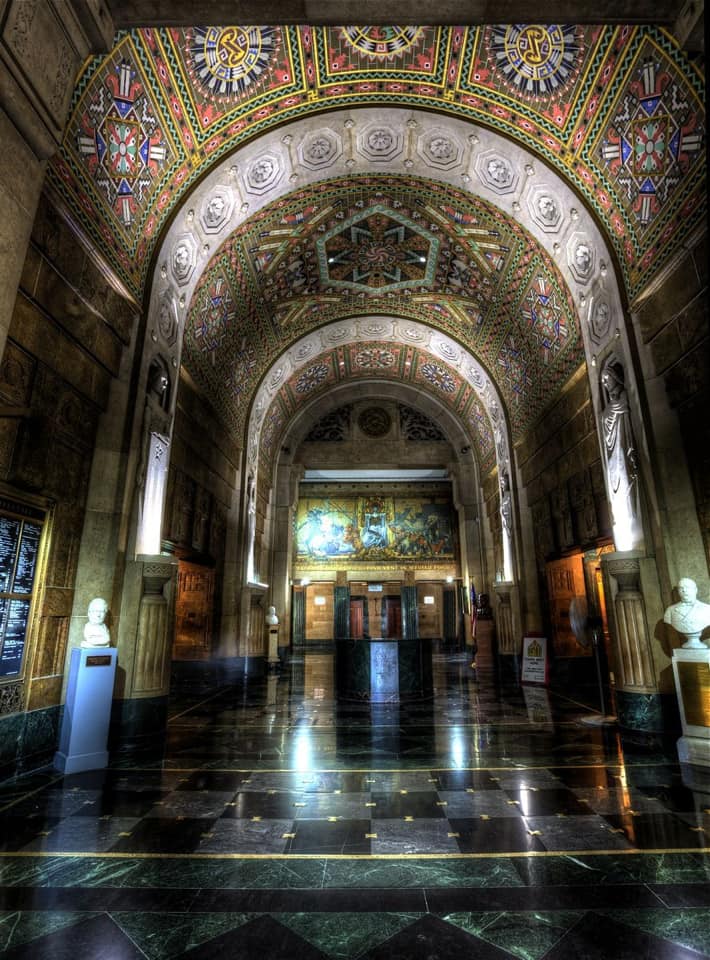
(344, 936)
(669, 868)
(687, 928)
(18, 927)
(162, 936)
(32, 871)
(606, 868)
(411, 872)
(528, 935)
(171, 872)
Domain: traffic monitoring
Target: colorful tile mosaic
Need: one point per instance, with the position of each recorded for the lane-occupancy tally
(384, 361)
(483, 282)
(618, 111)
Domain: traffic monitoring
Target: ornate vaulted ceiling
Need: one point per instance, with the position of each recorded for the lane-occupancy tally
(618, 111)
(383, 245)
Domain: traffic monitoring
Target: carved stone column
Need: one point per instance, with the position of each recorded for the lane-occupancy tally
(146, 684)
(638, 699)
(506, 641)
(151, 676)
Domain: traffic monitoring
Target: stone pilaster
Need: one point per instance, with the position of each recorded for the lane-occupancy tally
(341, 617)
(638, 698)
(410, 618)
(144, 664)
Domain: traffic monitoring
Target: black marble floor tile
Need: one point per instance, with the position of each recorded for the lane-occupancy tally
(229, 836)
(573, 833)
(683, 894)
(155, 835)
(658, 831)
(311, 901)
(77, 834)
(411, 837)
(276, 806)
(219, 780)
(323, 837)
(420, 804)
(539, 802)
(430, 937)
(121, 803)
(253, 940)
(440, 900)
(208, 804)
(16, 832)
(502, 835)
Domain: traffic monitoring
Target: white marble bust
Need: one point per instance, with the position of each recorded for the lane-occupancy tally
(96, 632)
(271, 617)
(689, 616)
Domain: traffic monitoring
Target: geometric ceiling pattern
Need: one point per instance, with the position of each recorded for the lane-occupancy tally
(617, 111)
(382, 361)
(393, 245)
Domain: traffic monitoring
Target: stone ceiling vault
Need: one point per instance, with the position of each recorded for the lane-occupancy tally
(508, 188)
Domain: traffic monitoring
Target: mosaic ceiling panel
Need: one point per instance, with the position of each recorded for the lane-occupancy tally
(346, 252)
(381, 361)
(617, 110)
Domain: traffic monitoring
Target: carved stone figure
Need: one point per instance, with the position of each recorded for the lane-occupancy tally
(547, 209)
(506, 510)
(159, 383)
(583, 258)
(498, 170)
(271, 617)
(690, 616)
(618, 440)
(96, 632)
(483, 607)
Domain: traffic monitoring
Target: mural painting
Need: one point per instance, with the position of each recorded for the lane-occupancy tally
(374, 528)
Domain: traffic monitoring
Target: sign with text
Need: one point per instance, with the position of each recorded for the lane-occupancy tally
(535, 663)
(20, 532)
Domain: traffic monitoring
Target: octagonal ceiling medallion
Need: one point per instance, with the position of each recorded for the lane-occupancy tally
(377, 249)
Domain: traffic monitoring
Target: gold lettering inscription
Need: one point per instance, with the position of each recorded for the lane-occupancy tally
(102, 661)
(694, 681)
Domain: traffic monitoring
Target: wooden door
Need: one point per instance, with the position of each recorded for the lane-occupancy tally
(393, 617)
(356, 618)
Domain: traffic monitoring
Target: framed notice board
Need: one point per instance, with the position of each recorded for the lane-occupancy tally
(21, 528)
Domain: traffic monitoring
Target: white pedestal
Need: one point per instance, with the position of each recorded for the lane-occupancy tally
(87, 712)
(691, 672)
(273, 649)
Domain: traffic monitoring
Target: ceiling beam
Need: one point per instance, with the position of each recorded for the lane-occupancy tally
(154, 13)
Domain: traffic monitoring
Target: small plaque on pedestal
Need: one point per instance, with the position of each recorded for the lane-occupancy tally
(691, 671)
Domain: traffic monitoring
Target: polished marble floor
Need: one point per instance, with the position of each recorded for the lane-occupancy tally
(490, 821)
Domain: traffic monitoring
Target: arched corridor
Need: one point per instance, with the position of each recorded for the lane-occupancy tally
(354, 527)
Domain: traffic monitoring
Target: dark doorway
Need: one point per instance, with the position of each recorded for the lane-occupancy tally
(357, 617)
(392, 617)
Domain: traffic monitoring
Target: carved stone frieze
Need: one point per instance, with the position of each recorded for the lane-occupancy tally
(496, 172)
(263, 173)
(333, 428)
(183, 259)
(378, 142)
(438, 148)
(216, 210)
(418, 428)
(320, 148)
